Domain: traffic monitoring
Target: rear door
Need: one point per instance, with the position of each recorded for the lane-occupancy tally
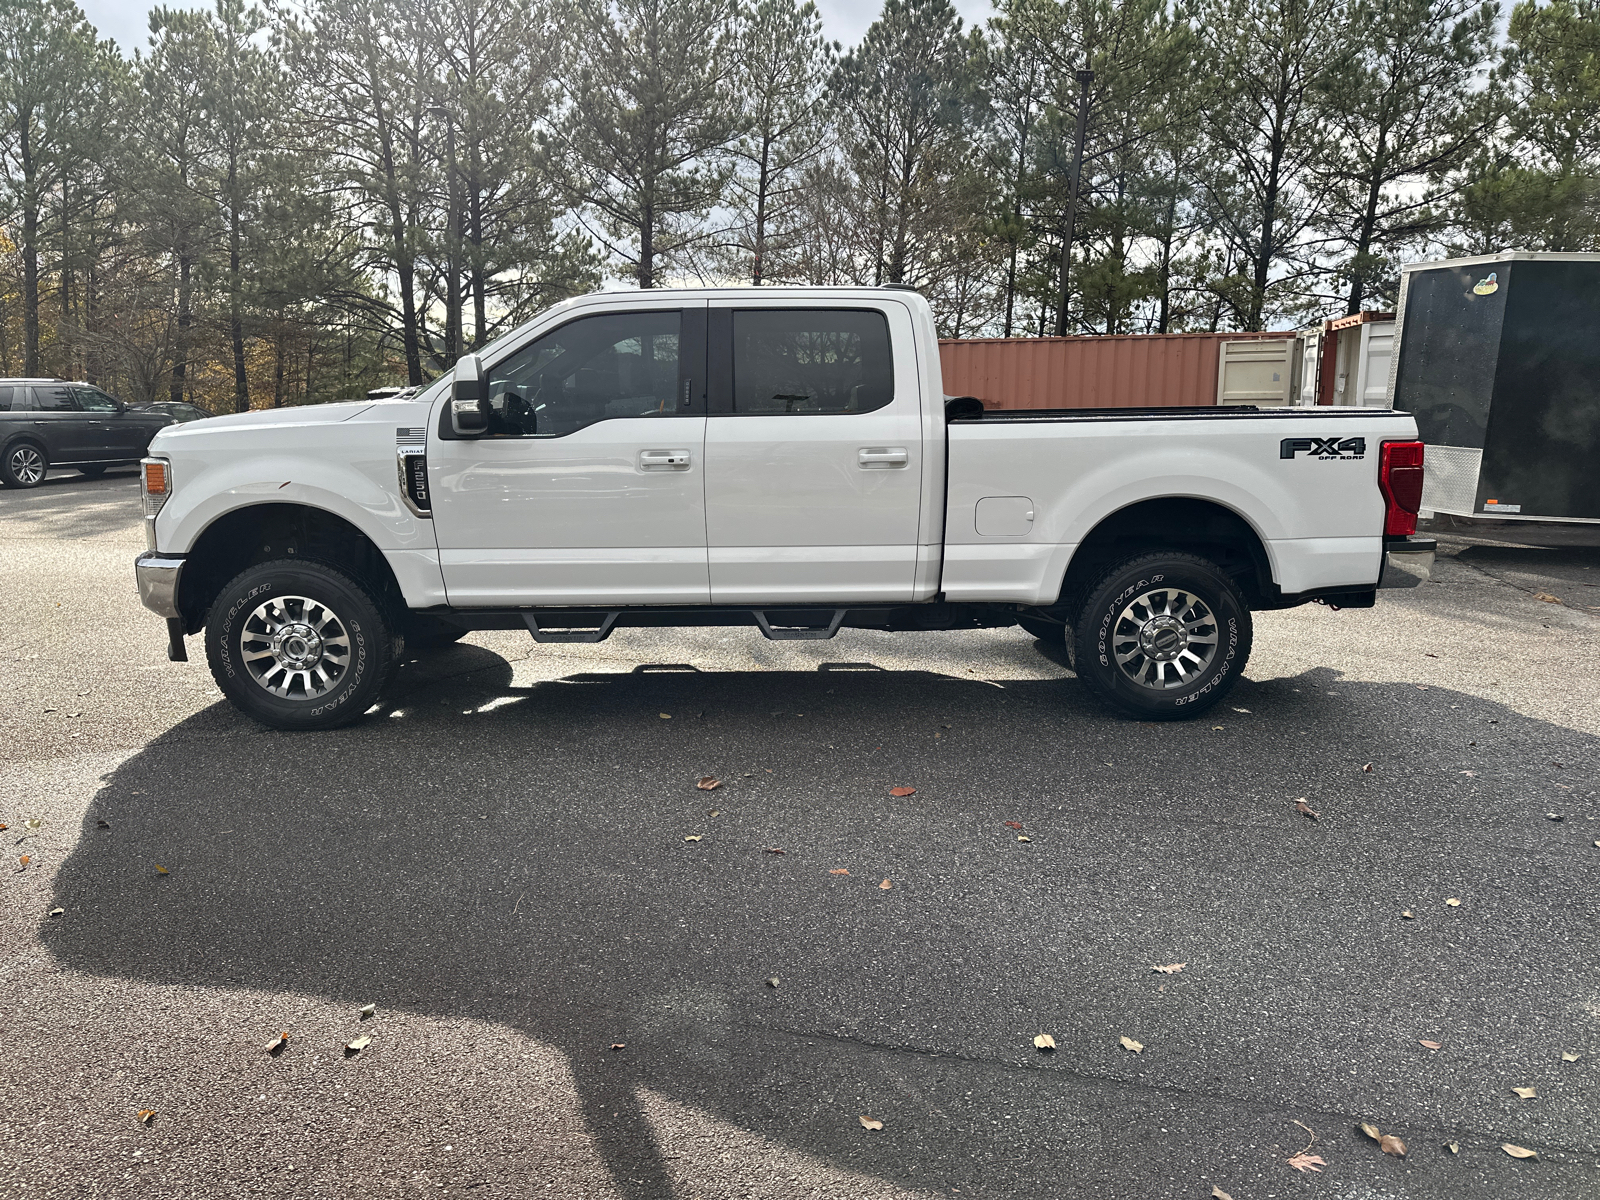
(587, 489)
(813, 453)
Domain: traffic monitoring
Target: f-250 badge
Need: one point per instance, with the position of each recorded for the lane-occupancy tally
(1343, 449)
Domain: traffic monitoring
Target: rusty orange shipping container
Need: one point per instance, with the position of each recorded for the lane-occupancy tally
(1142, 370)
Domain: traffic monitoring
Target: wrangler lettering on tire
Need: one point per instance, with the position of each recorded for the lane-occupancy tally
(1163, 635)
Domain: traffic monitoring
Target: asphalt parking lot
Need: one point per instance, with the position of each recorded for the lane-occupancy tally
(572, 999)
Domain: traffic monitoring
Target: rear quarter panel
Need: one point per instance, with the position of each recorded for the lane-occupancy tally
(1320, 518)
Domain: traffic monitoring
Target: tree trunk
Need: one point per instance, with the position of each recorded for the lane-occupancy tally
(180, 353)
(277, 369)
(1165, 317)
(30, 247)
(241, 382)
(762, 184)
(1269, 220)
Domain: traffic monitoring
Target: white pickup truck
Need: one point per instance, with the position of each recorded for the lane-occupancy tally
(779, 457)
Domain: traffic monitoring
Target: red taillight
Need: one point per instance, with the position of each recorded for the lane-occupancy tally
(1400, 480)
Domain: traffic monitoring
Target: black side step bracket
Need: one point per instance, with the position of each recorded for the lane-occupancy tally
(797, 633)
(572, 634)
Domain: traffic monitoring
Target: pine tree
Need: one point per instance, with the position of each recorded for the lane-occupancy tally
(651, 111)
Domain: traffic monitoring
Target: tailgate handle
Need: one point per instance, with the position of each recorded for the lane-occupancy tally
(882, 457)
(664, 460)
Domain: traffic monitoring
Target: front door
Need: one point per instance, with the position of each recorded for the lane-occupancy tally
(813, 454)
(113, 433)
(68, 431)
(587, 489)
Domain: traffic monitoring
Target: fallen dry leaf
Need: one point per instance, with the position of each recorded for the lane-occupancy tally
(1518, 1151)
(1428, 1044)
(1554, 817)
(1408, 915)
(97, 825)
(716, 812)
(775, 850)
(1370, 1130)
(1390, 1144)
(1022, 837)
(160, 870)
(1568, 1056)
(1243, 710)
(1218, 1194)
(1527, 1093)
(772, 981)
(1044, 1042)
(1170, 968)
(708, 783)
(839, 871)
(1305, 810)
(1453, 1147)
(902, 791)
(1453, 902)
(1547, 598)
(56, 912)
(885, 886)
(145, 1115)
(619, 1045)
(1304, 1162)
(1128, 1043)
(665, 716)
(694, 837)
(276, 1046)
(1013, 824)
(34, 823)
(370, 1010)
(1216, 729)
(357, 1045)
(24, 859)
(1367, 768)
(869, 1123)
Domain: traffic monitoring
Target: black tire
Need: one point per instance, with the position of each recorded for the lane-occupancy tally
(92, 472)
(430, 633)
(1045, 631)
(354, 647)
(1197, 654)
(24, 464)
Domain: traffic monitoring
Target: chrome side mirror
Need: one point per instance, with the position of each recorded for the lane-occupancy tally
(468, 414)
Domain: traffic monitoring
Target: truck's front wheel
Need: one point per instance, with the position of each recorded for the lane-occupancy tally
(1162, 636)
(299, 645)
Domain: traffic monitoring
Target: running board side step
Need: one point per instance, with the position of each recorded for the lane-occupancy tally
(797, 633)
(569, 633)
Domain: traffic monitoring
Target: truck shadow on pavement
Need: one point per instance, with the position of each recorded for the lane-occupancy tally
(519, 855)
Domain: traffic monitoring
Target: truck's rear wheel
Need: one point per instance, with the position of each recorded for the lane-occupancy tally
(1162, 636)
(299, 645)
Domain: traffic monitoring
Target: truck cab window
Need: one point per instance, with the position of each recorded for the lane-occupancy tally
(591, 369)
(811, 361)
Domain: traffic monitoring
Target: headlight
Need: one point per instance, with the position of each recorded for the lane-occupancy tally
(155, 485)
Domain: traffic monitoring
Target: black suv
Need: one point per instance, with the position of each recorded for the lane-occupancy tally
(48, 423)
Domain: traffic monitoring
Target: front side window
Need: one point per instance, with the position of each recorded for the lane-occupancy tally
(94, 400)
(811, 361)
(55, 399)
(588, 370)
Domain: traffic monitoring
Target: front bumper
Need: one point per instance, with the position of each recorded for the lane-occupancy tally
(1407, 564)
(158, 576)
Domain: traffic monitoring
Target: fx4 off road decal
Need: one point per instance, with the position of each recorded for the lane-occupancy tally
(1326, 449)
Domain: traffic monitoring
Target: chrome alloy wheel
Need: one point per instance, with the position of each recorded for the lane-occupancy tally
(27, 465)
(295, 648)
(1165, 638)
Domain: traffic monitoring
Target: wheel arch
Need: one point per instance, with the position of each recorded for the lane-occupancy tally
(1190, 524)
(254, 533)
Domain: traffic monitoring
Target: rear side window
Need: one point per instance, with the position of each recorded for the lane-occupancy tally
(55, 399)
(800, 361)
(5, 398)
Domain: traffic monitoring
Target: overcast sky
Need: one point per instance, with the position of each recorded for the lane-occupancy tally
(845, 20)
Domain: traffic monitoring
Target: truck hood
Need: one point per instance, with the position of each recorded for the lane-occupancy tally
(304, 416)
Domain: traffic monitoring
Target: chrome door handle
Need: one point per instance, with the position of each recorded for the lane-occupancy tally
(882, 457)
(664, 460)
